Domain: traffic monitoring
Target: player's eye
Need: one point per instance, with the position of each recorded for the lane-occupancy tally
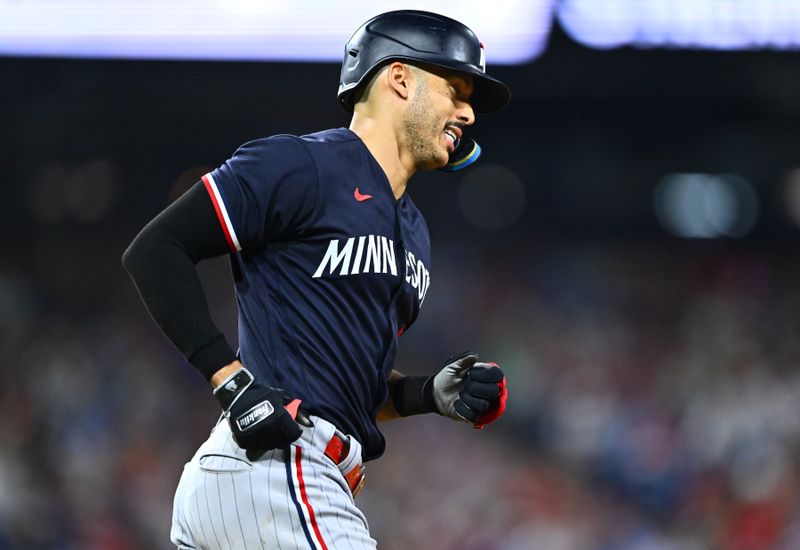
(459, 90)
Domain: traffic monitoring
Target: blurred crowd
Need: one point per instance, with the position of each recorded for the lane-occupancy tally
(654, 403)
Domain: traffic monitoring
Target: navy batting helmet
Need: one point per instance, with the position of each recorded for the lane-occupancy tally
(411, 35)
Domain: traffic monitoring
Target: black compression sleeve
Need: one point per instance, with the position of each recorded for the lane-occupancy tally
(413, 395)
(161, 261)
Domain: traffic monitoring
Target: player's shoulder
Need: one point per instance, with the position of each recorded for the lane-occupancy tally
(334, 135)
(289, 144)
(333, 148)
(269, 143)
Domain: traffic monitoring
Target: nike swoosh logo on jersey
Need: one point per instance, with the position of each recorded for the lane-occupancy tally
(359, 197)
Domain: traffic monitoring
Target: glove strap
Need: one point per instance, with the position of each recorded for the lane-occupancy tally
(232, 387)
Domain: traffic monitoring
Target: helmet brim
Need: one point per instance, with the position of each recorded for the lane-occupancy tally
(488, 94)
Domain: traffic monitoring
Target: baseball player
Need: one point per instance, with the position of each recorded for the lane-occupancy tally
(331, 264)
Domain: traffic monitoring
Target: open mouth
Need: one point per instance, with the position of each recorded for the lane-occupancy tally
(452, 136)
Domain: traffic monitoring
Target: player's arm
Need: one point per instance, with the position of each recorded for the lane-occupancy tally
(161, 261)
(465, 389)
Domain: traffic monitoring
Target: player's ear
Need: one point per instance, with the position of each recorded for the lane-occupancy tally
(399, 78)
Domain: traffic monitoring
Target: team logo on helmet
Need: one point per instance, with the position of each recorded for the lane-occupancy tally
(483, 58)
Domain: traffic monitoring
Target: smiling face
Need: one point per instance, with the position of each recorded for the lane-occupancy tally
(437, 111)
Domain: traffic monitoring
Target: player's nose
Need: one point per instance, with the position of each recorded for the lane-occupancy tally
(465, 114)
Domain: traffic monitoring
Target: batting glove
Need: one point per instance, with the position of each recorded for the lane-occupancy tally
(468, 390)
(256, 413)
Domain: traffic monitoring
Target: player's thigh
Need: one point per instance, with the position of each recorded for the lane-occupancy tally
(327, 515)
(223, 502)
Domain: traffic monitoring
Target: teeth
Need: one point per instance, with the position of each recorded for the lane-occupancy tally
(450, 135)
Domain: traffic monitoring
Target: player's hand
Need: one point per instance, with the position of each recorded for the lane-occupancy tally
(256, 413)
(468, 390)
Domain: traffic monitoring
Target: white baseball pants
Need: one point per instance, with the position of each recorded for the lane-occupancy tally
(226, 501)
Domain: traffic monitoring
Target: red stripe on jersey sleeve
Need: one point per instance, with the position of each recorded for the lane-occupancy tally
(220, 215)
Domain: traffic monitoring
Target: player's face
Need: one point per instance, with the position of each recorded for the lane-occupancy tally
(436, 115)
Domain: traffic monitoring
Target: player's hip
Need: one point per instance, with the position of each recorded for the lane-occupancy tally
(227, 500)
(322, 445)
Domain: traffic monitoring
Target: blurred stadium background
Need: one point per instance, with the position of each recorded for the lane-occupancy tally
(626, 249)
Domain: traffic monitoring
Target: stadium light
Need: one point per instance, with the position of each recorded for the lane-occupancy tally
(514, 31)
(277, 30)
(709, 24)
(705, 206)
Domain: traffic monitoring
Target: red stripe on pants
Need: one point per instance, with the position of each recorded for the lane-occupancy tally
(304, 496)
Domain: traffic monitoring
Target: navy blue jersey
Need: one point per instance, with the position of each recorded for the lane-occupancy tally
(333, 269)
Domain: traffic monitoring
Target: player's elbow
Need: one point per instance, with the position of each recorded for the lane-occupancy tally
(143, 251)
(134, 256)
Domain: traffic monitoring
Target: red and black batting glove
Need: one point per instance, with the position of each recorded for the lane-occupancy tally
(257, 414)
(466, 389)
(478, 377)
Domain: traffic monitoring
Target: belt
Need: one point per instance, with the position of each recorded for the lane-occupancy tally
(337, 450)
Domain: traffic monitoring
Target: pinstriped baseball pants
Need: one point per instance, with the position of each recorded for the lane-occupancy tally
(284, 501)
